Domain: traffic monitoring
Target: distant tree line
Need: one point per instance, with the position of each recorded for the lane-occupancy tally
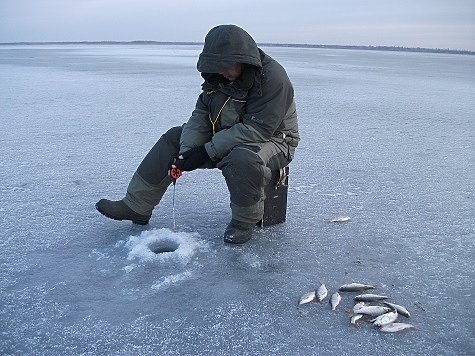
(373, 48)
(351, 47)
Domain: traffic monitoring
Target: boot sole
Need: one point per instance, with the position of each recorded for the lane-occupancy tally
(231, 241)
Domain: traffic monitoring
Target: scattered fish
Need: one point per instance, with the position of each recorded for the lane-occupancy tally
(356, 287)
(400, 309)
(395, 327)
(307, 298)
(335, 300)
(369, 297)
(354, 319)
(340, 219)
(322, 292)
(373, 310)
(386, 318)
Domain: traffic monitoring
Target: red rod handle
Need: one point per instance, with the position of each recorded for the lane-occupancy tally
(175, 173)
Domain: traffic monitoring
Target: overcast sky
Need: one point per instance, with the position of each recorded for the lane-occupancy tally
(409, 23)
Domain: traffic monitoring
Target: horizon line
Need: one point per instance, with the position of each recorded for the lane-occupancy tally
(264, 44)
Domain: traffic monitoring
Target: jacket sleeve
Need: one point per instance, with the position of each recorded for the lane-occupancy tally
(197, 131)
(264, 114)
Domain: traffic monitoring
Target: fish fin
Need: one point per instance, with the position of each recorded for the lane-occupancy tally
(350, 325)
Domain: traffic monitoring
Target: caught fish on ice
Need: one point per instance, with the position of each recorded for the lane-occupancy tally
(354, 319)
(400, 309)
(338, 220)
(386, 318)
(370, 297)
(356, 287)
(322, 292)
(373, 310)
(382, 316)
(395, 327)
(358, 307)
(307, 298)
(335, 300)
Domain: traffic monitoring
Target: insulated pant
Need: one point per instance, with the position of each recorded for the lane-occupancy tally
(247, 169)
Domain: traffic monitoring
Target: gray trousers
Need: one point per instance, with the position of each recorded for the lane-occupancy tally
(247, 169)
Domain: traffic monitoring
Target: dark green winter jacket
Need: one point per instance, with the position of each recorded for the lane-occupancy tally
(255, 108)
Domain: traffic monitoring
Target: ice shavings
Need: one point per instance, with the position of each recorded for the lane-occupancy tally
(129, 268)
(166, 281)
(160, 245)
(251, 259)
(98, 255)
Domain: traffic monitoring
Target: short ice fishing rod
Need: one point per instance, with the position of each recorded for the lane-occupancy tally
(175, 173)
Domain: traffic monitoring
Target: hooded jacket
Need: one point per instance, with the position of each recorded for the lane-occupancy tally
(255, 108)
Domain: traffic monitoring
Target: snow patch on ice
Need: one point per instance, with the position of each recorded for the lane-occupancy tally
(98, 255)
(251, 260)
(160, 245)
(129, 268)
(166, 281)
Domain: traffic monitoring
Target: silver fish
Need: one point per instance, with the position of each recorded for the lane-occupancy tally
(322, 292)
(307, 298)
(369, 297)
(358, 307)
(373, 310)
(356, 287)
(340, 219)
(354, 319)
(400, 309)
(395, 327)
(386, 318)
(335, 300)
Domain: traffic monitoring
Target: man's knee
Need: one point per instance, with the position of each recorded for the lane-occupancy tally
(155, 165)
(244, 160)
(245, 175)
(172, 136)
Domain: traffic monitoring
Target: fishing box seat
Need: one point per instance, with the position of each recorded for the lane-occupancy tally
(275, 204)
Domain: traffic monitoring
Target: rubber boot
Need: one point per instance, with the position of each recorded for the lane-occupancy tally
(242, 224)
(138, 203)
(118, 210)
(238, 232)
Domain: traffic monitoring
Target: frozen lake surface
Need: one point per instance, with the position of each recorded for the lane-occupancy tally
(387, 139)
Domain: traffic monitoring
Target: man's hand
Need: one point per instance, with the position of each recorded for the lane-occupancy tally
(191, 159)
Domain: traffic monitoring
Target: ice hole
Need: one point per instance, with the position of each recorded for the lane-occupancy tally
(163, 246)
